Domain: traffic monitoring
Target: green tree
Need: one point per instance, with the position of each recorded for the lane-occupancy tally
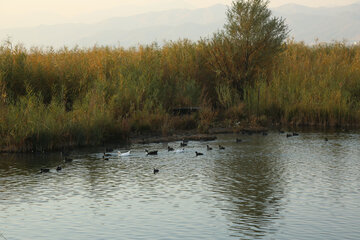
(251, 38)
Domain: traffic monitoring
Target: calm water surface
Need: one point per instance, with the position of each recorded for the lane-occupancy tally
(267, 187)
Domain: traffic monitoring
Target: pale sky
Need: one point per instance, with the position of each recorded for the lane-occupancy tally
(21, 13)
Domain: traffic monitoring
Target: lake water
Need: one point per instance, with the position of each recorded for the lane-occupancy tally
(266, 187)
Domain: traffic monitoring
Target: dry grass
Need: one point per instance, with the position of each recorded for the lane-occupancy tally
(50, 99)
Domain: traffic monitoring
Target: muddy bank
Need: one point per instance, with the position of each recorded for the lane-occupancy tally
(149, 137)
(173, 138)
(193, 135)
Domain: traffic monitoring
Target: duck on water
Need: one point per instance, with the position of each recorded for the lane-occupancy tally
(151, 152)
(128, 153)
(198, 154)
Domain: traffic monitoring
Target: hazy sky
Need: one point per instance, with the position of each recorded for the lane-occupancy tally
(18, 13)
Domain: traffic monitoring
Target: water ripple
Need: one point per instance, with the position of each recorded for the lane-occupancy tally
(263, 188)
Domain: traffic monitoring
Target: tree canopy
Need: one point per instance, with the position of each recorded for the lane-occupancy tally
(251, 38)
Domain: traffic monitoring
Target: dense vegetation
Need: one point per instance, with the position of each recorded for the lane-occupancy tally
(68, 97)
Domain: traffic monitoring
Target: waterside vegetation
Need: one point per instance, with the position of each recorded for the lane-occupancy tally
(51, 99)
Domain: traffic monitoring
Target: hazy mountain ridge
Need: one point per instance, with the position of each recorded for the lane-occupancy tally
(148, 35)
(306, 24)
(169, 18)
(322, 24)
(128, 31)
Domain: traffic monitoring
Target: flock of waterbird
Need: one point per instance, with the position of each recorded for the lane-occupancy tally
(109, 152)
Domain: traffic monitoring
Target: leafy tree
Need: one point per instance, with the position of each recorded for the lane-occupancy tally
(251, 38)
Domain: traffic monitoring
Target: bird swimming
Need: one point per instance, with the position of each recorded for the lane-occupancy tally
(198, 153)
(124, 154)
(179, 150)
(44, 170)
(107, 154)
(151, 152)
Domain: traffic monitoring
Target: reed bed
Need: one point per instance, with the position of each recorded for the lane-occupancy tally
(318, 85)
(51, 99)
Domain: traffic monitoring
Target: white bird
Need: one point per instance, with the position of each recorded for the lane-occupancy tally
(124, 154)
(179, 150)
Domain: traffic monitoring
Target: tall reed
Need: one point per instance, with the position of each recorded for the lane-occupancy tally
(316, 85)
(51, 99)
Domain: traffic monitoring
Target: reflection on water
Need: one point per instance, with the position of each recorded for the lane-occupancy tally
(251, 182)
(266, 187)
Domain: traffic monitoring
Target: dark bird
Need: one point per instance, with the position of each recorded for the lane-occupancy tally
(183, 144)
(107, 154)
(221, 147)
(151, 152)
(170, 149)
(198, 153)
(58, 168)
(67, 159)
(105, 158)
(289, 135)
(295, 134)
(44, 170)
(238, 140)
(156, 171)
(208, 147)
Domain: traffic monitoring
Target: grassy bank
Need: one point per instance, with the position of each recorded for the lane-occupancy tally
(51, 99)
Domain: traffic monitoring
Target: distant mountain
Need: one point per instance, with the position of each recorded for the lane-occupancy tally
(127, 31)
(306, 24)
(322, 24)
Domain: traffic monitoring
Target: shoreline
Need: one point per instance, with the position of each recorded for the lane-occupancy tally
(151, 137)
(193, 135)
(184, 135)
